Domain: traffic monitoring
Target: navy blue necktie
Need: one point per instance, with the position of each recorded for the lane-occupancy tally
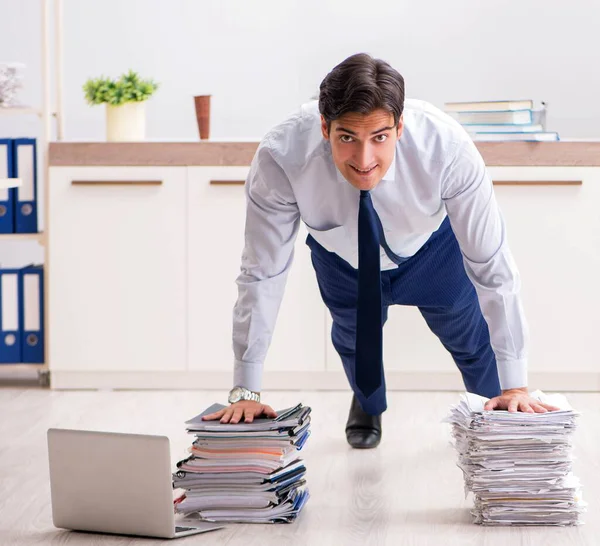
(369, 334)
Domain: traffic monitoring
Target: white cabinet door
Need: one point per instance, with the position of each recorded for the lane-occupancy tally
(554, 234)
(216, 215)
(117, 268)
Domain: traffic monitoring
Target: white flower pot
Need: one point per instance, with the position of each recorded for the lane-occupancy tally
(126, 122)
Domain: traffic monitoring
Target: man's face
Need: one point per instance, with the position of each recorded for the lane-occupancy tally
(363, 145)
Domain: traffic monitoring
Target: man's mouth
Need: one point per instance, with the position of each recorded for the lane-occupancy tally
(367, 171)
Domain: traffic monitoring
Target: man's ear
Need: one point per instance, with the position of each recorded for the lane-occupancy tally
(324, 130)
(400, 126)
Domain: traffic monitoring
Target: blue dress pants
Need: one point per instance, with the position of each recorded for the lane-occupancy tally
(435, 281)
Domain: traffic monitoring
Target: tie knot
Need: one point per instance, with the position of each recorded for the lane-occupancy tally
(364, 193)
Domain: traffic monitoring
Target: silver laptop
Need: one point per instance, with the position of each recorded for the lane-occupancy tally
(117, 483)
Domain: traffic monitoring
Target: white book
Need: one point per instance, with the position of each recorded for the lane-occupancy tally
(515, 117)
(509, 128)
(543, 136)
(489, 106)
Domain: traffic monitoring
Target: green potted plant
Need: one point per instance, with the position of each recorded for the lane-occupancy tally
(125, 100)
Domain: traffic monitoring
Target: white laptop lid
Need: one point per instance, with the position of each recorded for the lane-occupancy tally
(111, 482)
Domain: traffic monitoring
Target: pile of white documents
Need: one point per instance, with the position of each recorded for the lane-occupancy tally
(245, 472)
(518, 465)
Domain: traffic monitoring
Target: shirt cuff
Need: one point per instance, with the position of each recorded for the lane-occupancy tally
(512, 373)
(248, 375)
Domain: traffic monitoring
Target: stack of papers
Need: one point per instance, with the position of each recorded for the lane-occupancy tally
(245, 472)
(518, 465)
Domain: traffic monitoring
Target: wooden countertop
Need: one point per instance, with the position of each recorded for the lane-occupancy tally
(214, 153)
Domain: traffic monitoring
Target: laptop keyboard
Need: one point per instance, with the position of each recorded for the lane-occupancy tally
(179, 529)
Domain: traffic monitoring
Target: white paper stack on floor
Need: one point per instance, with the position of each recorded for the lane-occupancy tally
(518, 465)
(245, 472)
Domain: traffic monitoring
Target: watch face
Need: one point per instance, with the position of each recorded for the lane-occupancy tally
(235, 395)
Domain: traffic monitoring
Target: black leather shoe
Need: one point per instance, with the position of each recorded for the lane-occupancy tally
(363, 431)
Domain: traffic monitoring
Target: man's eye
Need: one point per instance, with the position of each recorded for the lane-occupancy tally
(381, 138)
(346, 138)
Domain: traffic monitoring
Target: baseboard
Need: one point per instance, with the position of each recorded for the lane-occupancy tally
(326, 380)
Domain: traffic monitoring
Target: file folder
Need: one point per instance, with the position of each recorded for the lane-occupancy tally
(10, 339)
(245, 473)
(31, 304)
(6, 194)
(25, 196)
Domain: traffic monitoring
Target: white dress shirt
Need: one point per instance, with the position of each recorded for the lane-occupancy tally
(436, 171)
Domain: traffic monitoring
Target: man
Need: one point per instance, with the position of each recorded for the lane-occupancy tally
(400, 210)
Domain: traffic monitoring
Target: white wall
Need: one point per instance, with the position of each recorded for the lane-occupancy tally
(260, 59)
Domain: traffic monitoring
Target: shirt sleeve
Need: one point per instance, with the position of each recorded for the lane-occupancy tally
(272, 222)
(479, 227)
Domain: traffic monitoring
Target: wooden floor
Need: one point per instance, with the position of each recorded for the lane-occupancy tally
(407, 491)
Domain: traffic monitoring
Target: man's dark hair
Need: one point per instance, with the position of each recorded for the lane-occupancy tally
(361, 84)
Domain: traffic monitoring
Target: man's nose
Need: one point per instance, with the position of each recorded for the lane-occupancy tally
(364, 158)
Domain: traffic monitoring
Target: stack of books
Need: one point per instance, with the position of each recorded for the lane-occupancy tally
(518, 465)
(504, 120)
(245, 472)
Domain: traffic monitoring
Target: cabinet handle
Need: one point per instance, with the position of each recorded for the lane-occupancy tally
(116, 182)
(242, 182)
(538, 182)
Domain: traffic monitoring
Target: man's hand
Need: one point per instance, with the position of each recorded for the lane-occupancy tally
(518, 400)
(249, 409)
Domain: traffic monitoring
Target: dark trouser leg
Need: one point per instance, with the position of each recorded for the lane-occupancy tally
(338, 284)
(435, 281)
(464, 333)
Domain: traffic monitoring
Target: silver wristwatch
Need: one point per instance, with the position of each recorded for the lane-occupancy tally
(241, 393)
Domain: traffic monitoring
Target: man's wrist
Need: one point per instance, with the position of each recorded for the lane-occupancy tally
(516, 389)
(238, 394)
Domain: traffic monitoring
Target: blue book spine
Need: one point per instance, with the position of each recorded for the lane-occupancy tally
(25, 168)
(10, 312)
(31, 303)
(7, 195)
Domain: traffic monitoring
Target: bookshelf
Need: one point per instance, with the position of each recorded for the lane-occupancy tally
(37, 237)
(46, 114)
